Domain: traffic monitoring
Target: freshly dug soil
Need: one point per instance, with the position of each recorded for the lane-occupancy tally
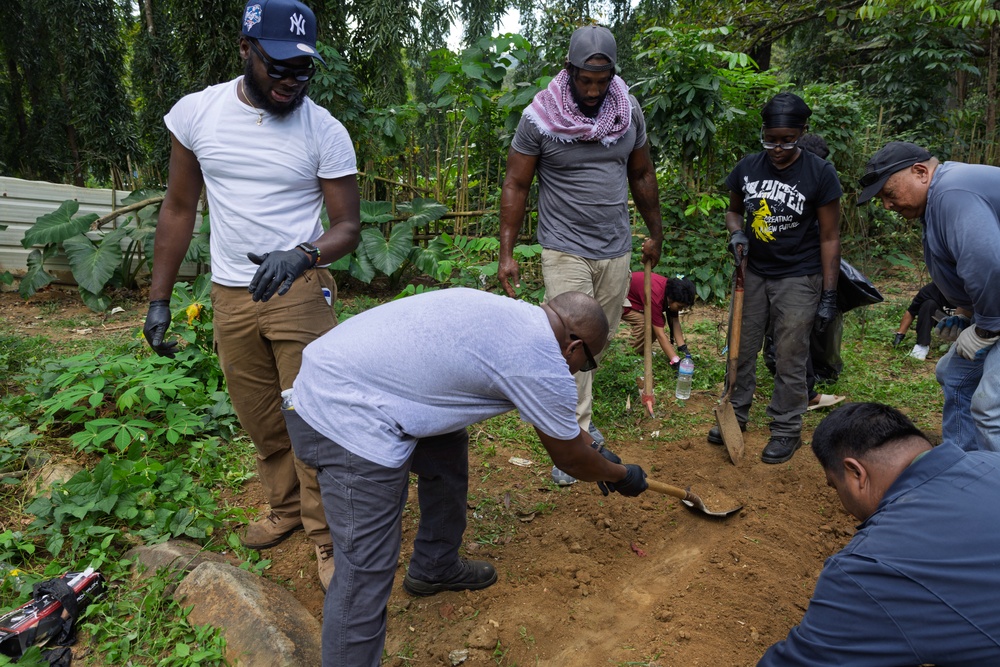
(589, 580)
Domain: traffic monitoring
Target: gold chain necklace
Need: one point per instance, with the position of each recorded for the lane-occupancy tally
(260, 114)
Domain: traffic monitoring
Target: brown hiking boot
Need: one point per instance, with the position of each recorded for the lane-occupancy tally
(324, 564)
(268, 531)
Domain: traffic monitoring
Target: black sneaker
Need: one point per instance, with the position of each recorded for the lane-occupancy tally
(715, 435)
(472, 576)
(780, 448)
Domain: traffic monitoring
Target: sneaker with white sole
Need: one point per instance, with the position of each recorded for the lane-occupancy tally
(561, 478)
(920, 352)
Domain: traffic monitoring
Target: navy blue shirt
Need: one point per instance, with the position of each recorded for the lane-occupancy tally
(920, 581)
(962, 237)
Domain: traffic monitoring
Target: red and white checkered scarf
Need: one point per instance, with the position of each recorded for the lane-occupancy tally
(556, 114)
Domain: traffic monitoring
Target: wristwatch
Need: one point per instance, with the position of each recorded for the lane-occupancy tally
(311, 250)
(985, 333)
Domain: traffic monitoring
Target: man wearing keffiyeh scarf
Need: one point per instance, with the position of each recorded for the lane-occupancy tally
(584, 136)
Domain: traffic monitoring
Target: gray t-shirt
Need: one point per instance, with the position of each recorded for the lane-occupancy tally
(431, 364)
(583, 189)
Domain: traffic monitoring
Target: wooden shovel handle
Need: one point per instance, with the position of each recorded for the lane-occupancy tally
(647, 316)
(666, 489)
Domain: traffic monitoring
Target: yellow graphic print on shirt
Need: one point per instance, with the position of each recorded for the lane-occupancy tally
(759, 224)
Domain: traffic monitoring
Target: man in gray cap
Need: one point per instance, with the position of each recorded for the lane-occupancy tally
(585, 137)
(268, 158)
(958, 206)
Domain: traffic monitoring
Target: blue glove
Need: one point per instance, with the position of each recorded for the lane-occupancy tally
(278, 270)
(951, 326)
(971, 345)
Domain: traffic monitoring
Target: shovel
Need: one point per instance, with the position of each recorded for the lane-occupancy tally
(729, 426)
(690, 500)
(647, 316)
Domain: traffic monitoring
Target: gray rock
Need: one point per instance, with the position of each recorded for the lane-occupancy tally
(177, 557)
(264, 625)
(52, 472)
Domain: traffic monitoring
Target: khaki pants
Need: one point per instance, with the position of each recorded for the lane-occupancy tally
(606, 280)
(636, 330)
(260, 351)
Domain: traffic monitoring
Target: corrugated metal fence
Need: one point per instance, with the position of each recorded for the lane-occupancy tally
(21, 204)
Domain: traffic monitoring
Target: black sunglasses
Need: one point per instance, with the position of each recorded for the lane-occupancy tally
(591, 362)
(276, 71)
(873, 177)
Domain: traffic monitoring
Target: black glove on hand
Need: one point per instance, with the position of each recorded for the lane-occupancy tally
(826, 311)
(155, 328)
(633, 484)
(682, 350)
(675, 365)
(738, 245)
(278, 270)
(897, 339)
(606, 453)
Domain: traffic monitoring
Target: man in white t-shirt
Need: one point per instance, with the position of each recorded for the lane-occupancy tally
(369, 410)
(269, 158)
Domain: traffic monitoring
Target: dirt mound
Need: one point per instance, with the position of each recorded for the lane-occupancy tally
(588, 580)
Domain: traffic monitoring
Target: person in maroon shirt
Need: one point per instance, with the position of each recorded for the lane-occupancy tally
(668, 297)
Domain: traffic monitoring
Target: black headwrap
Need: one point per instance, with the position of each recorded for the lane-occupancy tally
(786, 110)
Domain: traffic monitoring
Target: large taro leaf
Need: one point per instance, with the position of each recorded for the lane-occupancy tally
(36, 278)
(388, 255)
(361, 266)
(59, 225)
(93, 264)
(376, 212)
(423, 211)
(96, 302)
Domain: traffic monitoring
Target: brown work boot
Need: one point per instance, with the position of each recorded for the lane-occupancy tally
(324, 564)
(269, 530)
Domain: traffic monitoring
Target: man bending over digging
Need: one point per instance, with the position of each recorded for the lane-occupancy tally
(369, 410)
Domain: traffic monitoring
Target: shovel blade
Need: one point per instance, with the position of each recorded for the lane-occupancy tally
(729, 427)
(647, 400)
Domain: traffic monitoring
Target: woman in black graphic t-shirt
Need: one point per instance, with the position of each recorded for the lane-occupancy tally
(784, 215)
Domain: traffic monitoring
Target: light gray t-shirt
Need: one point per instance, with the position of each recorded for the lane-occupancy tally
(431, 364)
(583, 189)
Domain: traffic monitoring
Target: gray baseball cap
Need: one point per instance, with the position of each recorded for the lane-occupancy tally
(590, 41)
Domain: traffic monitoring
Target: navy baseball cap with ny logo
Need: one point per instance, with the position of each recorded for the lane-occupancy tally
(285, 29)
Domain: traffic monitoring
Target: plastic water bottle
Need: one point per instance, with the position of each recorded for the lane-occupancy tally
(684, 374)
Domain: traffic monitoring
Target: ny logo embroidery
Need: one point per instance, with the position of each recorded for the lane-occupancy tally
(298, 24)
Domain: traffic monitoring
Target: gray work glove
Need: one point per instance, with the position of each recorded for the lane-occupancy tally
(971, 345)
(738, 245)
(633, 484)
(826, 311)
(155, 328)
(278, 270)
(949, 327)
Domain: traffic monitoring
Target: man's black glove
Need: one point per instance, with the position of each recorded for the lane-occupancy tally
(682, 350)
(738, 245)
(278, 270)
(897, 339)
(826, 312)
(605, 452)
(155, 328)
(675, 363)
(633, 484)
